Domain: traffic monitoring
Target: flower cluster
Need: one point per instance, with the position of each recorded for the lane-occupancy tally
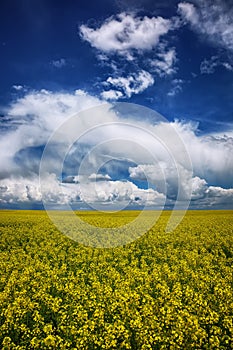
(163, 291)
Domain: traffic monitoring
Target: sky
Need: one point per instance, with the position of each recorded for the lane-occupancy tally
(158, 73)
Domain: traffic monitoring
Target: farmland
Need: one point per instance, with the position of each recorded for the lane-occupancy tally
(162, 291)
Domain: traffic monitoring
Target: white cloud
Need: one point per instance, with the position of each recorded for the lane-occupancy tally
(165, 176)
(211, 155)
(17, 87)
(127, 32)
(176, 87)
(80, 92)
(17, 190)
(202, 195)
(188, 12)
(209, 66)
(228, 66)
(220, 196)
(99, 177)
(214, 197)
(164, 65)
(119, 191)
(132, 84)
(33, 118)
(59, 63)
(130, 36)
(213, 19)
(111, 95)
(71, 179)
(24, 191)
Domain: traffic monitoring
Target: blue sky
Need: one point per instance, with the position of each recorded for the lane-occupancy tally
(173, 57)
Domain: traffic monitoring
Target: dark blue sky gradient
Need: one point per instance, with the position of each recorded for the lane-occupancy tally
(35, 33)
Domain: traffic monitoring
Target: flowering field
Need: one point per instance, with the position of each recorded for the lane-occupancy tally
(163, 291)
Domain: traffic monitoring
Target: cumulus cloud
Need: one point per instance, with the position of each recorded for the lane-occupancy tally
(127, 32)
(25, 191)
(19, 190)
(211, 155)
(129, 36)
(102, 192)
(32, 119)
(189, 12)
(213, 19)
(164, 64)
(111, 94)
(165, 177)
(202, 195)
(119, 191)
(220, 196)
(132, 84)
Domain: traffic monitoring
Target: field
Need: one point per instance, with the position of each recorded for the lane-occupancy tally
(162, 291)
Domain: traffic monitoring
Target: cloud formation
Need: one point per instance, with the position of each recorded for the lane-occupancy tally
(32, 119)
(202, 195)
(208, 66)
(17, 87)
(111, 94)
(102, 192)
(29, 122)
(164, 64)
(164, 177)
(128, 36)
(132, 84)
(176, 87)
(127, 32)
(212, 19)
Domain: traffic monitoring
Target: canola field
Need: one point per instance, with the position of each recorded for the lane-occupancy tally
(162, 291)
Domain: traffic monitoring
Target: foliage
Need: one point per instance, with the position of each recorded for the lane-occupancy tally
(163, 291)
